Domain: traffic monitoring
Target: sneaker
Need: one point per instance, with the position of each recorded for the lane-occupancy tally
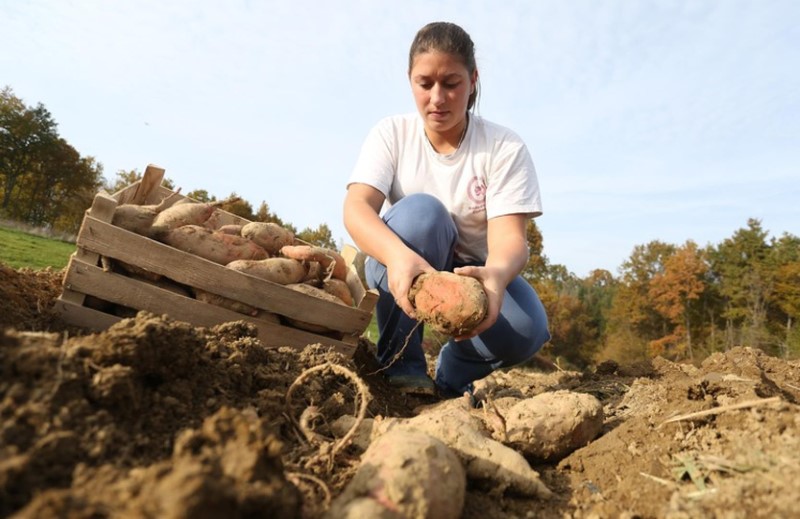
(412, 384)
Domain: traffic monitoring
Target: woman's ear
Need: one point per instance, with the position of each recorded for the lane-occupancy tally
(473, 81)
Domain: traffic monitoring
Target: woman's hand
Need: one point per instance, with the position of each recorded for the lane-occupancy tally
(493, 281)
(401, 270)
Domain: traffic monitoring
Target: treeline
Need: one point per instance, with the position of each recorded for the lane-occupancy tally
(682, 302)
(678, 301)
(46, 183)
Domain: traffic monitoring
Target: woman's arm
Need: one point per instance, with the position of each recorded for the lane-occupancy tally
(362, 206)
(508, 254)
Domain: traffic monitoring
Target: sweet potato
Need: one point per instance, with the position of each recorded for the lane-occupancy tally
(316, 274)
(551, 425)
(484, 458)
(185, 213)
(408, 475)
(447, 302)
(283, 271)
(131, 269)
(139, 218)
(231, 228)
(315, 292)
(330, 260)
(338, 288)
(224, 302)
(212, 245)
(268, 235)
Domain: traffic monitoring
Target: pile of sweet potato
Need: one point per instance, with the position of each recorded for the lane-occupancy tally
(407, 471)
(264, 250)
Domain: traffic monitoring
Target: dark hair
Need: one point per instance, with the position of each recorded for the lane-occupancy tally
(448, 38)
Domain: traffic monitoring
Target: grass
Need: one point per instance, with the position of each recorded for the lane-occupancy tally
(20, 249)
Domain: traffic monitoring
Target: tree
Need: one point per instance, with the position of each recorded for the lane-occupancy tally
(320, 236)
(786, 297)
(672, 290)
(537, 263)
(746, 280)
(25, 134)
(265, 215)
(632, 313)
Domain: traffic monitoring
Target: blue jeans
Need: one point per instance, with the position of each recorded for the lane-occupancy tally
(425, 226)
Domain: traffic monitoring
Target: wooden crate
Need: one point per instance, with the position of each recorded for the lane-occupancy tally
(86, 281)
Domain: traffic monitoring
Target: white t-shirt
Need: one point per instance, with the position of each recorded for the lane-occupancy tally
(491, 174)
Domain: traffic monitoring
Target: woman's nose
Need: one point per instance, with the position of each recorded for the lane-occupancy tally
(437, 95)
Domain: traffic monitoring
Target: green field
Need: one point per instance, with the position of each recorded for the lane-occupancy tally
(19, 249)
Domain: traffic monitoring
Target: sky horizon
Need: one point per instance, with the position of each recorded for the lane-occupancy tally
(652, 120)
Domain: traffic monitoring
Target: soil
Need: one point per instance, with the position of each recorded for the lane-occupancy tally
(157, 418)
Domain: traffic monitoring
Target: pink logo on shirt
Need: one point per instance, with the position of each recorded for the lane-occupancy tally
(476, 190)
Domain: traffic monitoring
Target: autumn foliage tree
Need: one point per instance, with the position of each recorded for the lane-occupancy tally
(672, 291)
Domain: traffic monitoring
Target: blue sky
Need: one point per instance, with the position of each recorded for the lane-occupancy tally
(668, 120)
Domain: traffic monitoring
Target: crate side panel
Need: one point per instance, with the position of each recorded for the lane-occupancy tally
(141, 295)
(191, 270)
(84, 317)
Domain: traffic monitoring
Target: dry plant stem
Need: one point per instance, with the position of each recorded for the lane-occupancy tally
(295, 478)
(724, 408)
(363, 398)
(400, 352)
(663, 481)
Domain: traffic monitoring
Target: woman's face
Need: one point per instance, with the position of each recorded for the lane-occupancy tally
(441, 85)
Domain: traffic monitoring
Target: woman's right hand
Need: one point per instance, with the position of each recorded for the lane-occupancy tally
(402, 269)
(361, 217)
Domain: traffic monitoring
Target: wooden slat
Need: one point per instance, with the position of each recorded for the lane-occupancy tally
(84, 317)
(141, 295)
(117, 243)
(151, 179)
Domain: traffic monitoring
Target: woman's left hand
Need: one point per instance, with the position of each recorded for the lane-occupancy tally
(495, 288)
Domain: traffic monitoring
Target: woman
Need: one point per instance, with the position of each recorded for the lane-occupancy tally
(459, 191)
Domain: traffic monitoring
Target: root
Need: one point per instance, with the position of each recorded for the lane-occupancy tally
(306, 417)
(295, 478)
(362, 397)
(400, 352)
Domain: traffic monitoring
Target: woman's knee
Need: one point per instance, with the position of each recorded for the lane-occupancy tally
(523, 327)
(523, 342)
(418, 215)
(426, 226)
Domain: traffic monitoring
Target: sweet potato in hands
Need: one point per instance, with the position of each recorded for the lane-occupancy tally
(449, 303)
(405, 474)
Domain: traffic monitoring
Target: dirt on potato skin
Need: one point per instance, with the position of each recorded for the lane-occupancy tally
(156, 418)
